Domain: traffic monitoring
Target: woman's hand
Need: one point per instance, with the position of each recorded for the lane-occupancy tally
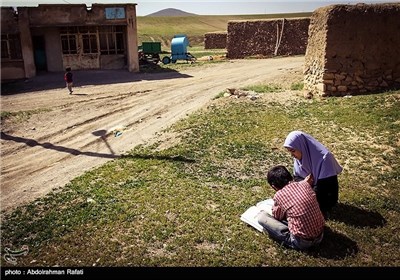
(309, 179)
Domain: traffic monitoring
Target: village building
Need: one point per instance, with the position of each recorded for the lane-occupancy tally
(53, 37)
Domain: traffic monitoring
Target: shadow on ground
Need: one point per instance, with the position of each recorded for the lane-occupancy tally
(357, 217)
(102, 134)
(334, 246)
(55, 80)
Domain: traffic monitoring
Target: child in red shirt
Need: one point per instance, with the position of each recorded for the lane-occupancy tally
(68, 79)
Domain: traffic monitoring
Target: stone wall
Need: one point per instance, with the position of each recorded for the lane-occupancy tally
(353, 49)
(215, 40)
(267, 38)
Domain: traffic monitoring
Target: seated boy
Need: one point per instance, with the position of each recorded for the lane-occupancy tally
(297, 221)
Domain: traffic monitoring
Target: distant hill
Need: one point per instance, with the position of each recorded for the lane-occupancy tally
(171, 13)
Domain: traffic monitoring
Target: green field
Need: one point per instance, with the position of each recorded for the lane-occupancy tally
(163, 29)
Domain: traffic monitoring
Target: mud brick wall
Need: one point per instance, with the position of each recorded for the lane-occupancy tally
(353, 49)
(215, 40)
(267, 38)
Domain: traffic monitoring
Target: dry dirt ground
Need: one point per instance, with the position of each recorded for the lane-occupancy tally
(108, 114)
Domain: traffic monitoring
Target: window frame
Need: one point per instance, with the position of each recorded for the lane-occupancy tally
(103, 40)
(11, 47)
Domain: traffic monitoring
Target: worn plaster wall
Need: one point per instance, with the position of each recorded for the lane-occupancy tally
(76, 14)
(353, 49)
(52, 47)
(9, 25)
(26, 42)
(80, 15)
(46, 21)
(9, 21)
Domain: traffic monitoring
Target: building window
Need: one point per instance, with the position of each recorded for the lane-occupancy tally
(89, 38)
(11, 46)
(89, 42)
(68, 43)
(68, 40)
(111, 40)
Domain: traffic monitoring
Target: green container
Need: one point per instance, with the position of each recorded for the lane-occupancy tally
(151, 47)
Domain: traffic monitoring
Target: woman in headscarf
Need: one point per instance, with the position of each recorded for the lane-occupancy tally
(311, 157)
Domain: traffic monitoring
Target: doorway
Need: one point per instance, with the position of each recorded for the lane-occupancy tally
(39, 53)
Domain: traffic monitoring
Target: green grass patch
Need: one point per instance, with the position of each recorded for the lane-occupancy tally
(297, 86)
(21, 116)
(181, 206)
(264, 88)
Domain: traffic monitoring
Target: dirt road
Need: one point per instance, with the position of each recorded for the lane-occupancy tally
(109, 113)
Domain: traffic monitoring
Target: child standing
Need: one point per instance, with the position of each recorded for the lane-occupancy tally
(68, 79)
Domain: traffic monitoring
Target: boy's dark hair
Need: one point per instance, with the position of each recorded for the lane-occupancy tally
(68, 69)
(279, 176)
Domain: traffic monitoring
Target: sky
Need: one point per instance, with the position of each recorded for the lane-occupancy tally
(207, 7)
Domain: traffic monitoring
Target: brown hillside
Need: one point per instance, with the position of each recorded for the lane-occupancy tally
(171, 13)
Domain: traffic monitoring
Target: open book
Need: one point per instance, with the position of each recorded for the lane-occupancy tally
(250, 215)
